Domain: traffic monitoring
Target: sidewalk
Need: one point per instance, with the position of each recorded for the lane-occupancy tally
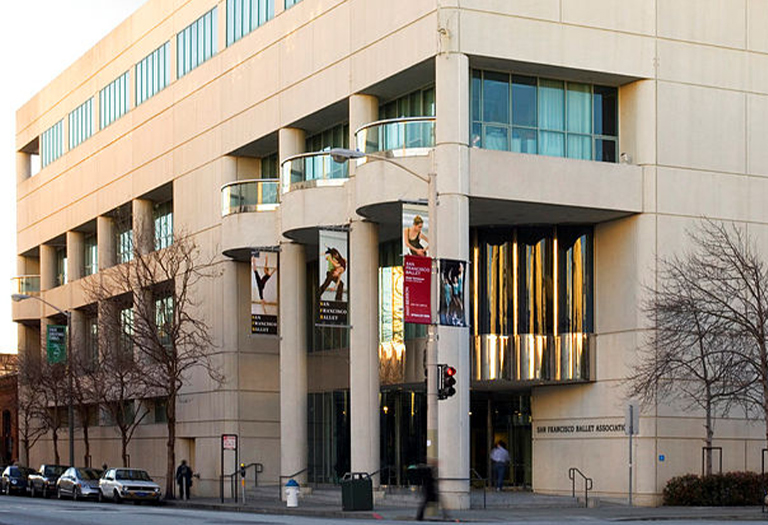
(526, 511)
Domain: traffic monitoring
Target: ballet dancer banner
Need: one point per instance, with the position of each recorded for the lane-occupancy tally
(264, 303)
(416, 230)
(417, 285)
(333, 291)
(451, 291)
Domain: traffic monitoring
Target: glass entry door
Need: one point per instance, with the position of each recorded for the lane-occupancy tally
(502, 416)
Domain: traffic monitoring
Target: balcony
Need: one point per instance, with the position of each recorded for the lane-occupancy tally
(311, 170)
(26, 284)
(247, 196)
(402, 137)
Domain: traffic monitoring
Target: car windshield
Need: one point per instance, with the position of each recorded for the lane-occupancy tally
(20, 472)
(132, 475)
(88, 474)
(54, 470)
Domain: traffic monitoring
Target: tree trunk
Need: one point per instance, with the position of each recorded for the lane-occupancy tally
(55, 433)
(87, 444)
(170, 482)
(710, 434)
(25, 461)
(124, 449)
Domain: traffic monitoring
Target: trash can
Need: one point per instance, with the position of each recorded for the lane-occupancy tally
(356, 491)
(292, 493)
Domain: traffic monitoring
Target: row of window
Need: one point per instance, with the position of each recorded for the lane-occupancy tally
(153, 411)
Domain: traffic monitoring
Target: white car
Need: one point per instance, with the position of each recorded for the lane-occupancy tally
(131, 484)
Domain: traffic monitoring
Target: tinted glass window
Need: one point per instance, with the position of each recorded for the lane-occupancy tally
(88, 474)
(606, 109)
(133, 475)
(54, 470)
(524, 101)
(496, 98)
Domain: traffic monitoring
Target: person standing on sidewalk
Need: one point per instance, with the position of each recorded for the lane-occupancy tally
(184, 479)
(499, 460)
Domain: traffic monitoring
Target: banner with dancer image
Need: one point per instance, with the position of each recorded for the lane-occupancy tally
(451, 290)
(416, 230)
(264, 302)
(333, 292)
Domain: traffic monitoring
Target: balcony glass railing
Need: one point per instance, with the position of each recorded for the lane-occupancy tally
(401, 137)
(26, 284)
(312, 169)
(245, 196)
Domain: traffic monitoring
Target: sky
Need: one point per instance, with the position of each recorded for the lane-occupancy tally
(41, 39)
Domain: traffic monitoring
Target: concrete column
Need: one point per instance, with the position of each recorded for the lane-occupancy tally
(78, 333)
(291, 141)
(293, 360)
(23, 166)
(452, 229)
(105, 239)
(47, 267)
(75, 241)
(363, 109)
(143, 226)
(364, 347)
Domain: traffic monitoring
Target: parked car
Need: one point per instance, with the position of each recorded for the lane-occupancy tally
(118, 484)
(43, 482)
(78, 483)
(14, 480)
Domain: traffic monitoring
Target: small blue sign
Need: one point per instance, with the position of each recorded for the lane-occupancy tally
(662, 457)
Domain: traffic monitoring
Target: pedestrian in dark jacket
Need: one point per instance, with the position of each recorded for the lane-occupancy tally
(184, 479)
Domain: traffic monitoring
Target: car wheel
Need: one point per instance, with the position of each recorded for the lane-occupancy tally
(58, 493)
(101, 496)
(116, 497)
(33, 492)
(76, 494)
(45, 492)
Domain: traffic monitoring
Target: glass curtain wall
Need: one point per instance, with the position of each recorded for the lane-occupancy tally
(420, 103)
(544, 116)
(532, 303)
(322, 167)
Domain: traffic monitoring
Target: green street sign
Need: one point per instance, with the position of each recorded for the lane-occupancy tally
(56, 343)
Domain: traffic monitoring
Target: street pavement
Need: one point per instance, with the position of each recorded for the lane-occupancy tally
(27, 511)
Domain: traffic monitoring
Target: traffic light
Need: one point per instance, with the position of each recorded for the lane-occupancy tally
(447, 381)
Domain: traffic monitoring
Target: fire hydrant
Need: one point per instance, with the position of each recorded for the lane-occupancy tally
(292, 493)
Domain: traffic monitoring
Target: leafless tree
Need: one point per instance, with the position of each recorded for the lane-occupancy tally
(722, 283)
(169, 334)
(85, 393)
(30, 403)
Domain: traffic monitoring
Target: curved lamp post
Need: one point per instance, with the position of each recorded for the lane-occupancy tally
(18, 297)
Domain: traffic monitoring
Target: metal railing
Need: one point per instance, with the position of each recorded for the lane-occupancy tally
(572, 472)
(312, 169)
(258, 468)
(291, 476)
(26, 284)
(398, 137)
(244, 196)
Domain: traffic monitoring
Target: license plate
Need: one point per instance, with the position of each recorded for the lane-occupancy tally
(142, 494)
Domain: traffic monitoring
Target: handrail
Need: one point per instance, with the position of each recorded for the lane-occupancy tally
(244, 181)
(587, 484)
(394, 121)
(326, 153)
(281, 478)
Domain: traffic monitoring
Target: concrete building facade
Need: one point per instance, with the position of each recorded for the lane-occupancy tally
(572, 143)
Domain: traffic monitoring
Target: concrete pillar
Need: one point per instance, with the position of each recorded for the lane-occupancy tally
(363, 109)
(291, 141)
(105, 239)
(293, 360)
(23, 166)
(75, 262)
(364, 347)
(143, 226)
(452, 229)
(78, 334)
(47, 267)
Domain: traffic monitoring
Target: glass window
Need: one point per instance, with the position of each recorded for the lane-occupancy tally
(153, 73)
(270, 167)
(61, 266)
(92, 339)
(124, 244)
(196, 43)
(90, 255)
(575, 256)
(52, 143)
(81, 124)
(126, 329)
(291, 3)
(163, 225)
(114, 100)
(160, 410)
(496, 97)
(535, 276)
(548, 117)
(164, 318)
(243, 16)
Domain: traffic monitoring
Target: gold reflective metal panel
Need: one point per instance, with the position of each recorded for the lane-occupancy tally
(532, 311)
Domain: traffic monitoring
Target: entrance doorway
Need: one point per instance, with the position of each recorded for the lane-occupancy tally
(502, 416)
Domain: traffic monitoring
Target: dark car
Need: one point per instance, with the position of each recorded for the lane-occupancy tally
(43, 482)
(79, 483)
(14, 479)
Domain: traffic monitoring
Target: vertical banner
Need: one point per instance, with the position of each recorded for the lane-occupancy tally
(451, 291)
(56, 343)
(333, 294)
(416, 230)
(417, 289)
(264, 302)
(391, 326)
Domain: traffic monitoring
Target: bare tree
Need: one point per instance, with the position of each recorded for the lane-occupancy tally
(688, 355)
(169, 333)
(86, 385)
(52, 387)
(31, 426)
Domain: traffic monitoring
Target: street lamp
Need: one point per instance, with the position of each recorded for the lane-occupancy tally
(342, 155)
(18, 297)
